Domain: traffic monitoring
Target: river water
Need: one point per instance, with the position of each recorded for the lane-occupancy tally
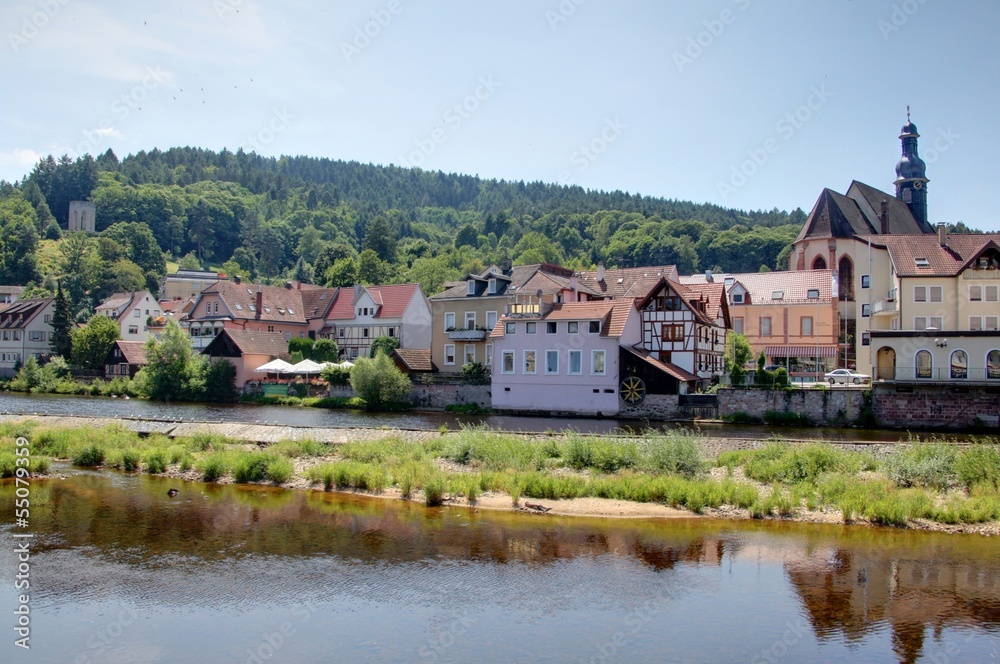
(53, 404)
(121, 572)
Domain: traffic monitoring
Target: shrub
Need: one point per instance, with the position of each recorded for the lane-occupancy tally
(280, 470)
(922, 464)
(434, 491)
(130, 460)
(741, 417)
(379, 382)
(979, 465)
(673, 453)
(214, 467)
(156, 462)
(251, 467)
(91, 455)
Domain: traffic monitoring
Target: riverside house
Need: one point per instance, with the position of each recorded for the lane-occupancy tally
(25, 330)
(247, 350)
(125, 358)
(132, 311)
(563, 357)
(362, 314)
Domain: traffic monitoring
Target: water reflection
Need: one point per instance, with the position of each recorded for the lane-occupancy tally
(388, 577)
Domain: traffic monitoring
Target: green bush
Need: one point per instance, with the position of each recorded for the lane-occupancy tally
(787, 419)
(91, 455)
(251, 467)
(741, 417)
(672, 453)
(922, 464)
(131, 460)
(979, 465)
(280, 470)
(379, 382)
(156, 462)
(214, 467)
(434, 491)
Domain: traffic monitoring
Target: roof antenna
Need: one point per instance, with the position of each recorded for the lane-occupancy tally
(907, 112)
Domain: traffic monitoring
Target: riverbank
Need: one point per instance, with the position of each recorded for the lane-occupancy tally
(926, 486)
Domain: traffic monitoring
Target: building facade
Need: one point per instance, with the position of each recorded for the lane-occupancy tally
(133, 312)
(364, 313)
(25, 331)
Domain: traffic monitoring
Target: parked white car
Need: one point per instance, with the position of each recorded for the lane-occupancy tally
(845, 376)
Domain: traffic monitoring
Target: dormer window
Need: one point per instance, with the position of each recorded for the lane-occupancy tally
(778, 295)
(737, 298)
(493, 286)
(812, 294)
(922, 262)
(472, 287)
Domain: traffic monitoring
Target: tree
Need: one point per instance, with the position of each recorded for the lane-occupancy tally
(343, 273)
(738, 353)
(379, 382)
(52, 230)
(380, 239)
(372, 269)
(173, 372)
(384, 345)
(325, 350)
(302, 272)
(62, 325)
(190, 262)
(302, 346)
(467, 235)
(220, 381)
(92, 344)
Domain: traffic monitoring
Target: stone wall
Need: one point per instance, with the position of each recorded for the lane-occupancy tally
(435, 396)
(938, 407)
(653, 407)
(835, 406)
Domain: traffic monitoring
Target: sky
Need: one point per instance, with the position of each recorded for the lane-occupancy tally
(749, 104)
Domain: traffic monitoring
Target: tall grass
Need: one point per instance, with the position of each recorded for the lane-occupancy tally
(922, 464)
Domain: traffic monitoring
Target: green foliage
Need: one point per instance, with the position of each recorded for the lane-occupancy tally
(91, 455)
(302, 346)
(979, 465)
(62, 325)
(384, 345)
(476, 373)
(220, 381)
(336, 375)
(741, 417)
(787, 419)
(738, 353)
(173, 371)
(325, 350)
(379, 382)
(189, 262)
(922, 464)
(91, 344)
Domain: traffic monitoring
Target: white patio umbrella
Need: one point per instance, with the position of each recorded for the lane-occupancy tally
(305, 367)
(274, 366)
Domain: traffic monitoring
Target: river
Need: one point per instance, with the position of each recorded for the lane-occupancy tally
(53, 404)
(121, 572)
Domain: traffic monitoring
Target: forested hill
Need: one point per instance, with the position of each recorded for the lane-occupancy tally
(275, 218)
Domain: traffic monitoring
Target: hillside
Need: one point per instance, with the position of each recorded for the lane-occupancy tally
(338, 222)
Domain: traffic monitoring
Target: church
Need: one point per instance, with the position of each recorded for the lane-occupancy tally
(904, 285)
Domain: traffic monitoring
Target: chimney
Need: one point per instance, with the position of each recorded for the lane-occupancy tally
(288, 285)
(574, 284)
(708, 277)
(884, 217)
(600, 271)
(236, 279)
(942, 235)
(357, 291)
(260, 301)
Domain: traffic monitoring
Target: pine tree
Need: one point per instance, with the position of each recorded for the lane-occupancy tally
(62, 325)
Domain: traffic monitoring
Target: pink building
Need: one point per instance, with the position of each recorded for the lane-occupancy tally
(565, 359)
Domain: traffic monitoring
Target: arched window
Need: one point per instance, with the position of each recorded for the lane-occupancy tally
(846, 279)
(993, 365)
(819, 263)
(924, 365)
(959, 364)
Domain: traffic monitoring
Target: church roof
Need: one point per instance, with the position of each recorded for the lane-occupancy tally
(857, 213)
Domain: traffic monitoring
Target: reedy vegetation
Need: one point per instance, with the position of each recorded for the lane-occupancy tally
(921, 480)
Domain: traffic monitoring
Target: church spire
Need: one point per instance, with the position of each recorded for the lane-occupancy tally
(911, 173)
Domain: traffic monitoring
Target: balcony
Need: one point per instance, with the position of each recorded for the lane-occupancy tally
(884, 307)
(476, 334)
(936, 375)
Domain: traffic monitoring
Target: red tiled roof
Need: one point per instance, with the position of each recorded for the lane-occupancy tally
(392, 301)
(666, 367)
(249, 342)
(715, 294)
(513, 281)
(635, 282)
(794, 286)
(116, 301)
(959, 251)
(285, 304)
(316, 302)
(415, 359)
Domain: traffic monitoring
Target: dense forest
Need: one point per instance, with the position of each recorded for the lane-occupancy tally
(339, 223)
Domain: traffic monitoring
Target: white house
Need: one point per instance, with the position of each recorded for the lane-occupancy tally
(131, 311)
(361, 315)
(25, 330)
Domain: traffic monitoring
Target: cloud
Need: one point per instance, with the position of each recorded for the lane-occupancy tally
(17, 162)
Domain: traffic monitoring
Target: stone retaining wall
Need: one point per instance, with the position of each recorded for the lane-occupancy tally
(833, 406)
(653, 407)
(938, 407)
(435, 396)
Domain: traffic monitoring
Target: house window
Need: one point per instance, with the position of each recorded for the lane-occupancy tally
(597, 366)
(959, 365)
(924, 364)
(807, 326)
(927, 322)
(364, 332)
(449, 354)
(573, 327)
(470, 354)
(595, 327)
(983, 293)
(471, 288)
(927, 293)
(48, 318)
(493, 286)
(133, 329)
(529, 362)
(449, 321)
(510, 328)
(489, 355)
(672, 332)
(507, 362)
(36, 335)
(470, 320)
(551, 327)
(551, 361)
(529, 328)
(866, 339)
(866, 282)
(738, 325)
(813, 293)
(270, 328)
(765, 326)
(993, 365)
(288, 336)
(975, 293)
(491, 320)
(575, 362)
(737, 298)
(340, 333)
(866, 310)
(391, 333)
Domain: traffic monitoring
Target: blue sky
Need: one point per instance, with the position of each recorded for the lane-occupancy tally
(743, 103)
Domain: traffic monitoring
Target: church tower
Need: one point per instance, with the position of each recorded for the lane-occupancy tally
(911, 173)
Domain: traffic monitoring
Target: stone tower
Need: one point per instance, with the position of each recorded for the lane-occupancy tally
(911, 173)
